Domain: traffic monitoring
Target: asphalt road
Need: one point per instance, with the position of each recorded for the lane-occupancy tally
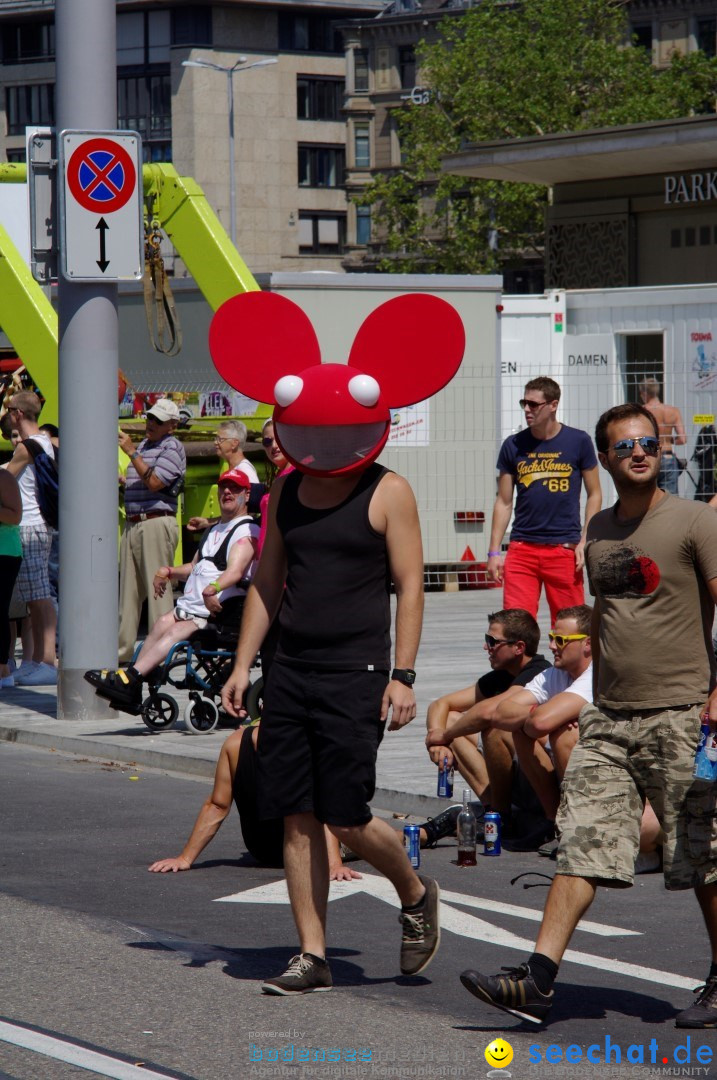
(133, 974)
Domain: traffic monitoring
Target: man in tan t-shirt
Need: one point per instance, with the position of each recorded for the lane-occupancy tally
(669, 421)
(652, 565)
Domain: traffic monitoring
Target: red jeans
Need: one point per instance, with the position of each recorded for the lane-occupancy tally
(528, 566)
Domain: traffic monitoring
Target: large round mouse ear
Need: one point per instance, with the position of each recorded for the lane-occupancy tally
(413, 345)
(255, 338)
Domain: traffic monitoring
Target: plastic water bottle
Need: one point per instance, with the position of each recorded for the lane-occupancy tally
(466, 828)
(706, 753)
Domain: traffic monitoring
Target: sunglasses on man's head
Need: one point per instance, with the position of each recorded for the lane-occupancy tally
(561, 640)
(649, 443)
(494, 642)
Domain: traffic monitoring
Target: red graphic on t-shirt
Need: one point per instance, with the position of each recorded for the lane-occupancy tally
(644, 575)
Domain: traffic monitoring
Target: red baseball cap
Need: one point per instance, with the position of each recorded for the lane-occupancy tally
(235, 476)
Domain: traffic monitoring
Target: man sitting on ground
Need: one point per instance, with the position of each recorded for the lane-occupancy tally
(216, 583)
(235, 779)
(512, 645)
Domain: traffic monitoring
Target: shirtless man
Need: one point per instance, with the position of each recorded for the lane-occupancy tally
(669, 419)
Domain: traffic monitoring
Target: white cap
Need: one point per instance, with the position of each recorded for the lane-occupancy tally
(163, 410)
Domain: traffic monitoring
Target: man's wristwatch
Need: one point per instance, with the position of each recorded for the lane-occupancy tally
(405, 675)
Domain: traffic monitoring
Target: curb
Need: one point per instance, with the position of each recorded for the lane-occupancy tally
(402, 802)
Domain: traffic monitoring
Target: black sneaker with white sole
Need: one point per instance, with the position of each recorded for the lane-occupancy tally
(421, 931)
(515, 992)
(306, 974)
(120, 685)
(702, 1013)
(444, 824)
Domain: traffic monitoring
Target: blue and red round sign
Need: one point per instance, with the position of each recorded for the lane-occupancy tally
(101, 176)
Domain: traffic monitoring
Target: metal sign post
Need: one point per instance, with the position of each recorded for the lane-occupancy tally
(88, 356)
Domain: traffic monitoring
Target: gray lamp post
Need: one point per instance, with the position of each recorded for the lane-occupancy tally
(240, 65)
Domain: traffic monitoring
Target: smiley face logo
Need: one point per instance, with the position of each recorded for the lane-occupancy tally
(499, 1053)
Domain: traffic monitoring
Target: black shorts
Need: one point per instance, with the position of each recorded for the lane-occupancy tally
(264, 839)
(318, 740)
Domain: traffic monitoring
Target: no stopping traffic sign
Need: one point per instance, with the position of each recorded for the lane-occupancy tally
(101, 176)
(101, 235)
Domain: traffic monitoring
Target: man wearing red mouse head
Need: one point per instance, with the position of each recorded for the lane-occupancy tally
(341, 528)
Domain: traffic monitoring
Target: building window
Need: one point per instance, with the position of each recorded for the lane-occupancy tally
(144, 104)
(642, 36)
(143, 37)
(321, 166)
(360, 70)
(689, 237)
(192, 25)
(23, 42)
(675, 238)
(363, 225)
(19, 154)
(705, 235)
(407, 66)
(309, 33)
(321, 234)
(319, 99)
(362, 146)
(707, 36)
(29, 106)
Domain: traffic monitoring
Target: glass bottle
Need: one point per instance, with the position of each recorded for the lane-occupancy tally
(466, 828)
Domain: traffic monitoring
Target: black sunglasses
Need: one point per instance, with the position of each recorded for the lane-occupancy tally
(526, 403)
(624, 448)
(268, 440)
(494, 642)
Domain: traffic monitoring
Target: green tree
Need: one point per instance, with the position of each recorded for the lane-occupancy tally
(502, 71)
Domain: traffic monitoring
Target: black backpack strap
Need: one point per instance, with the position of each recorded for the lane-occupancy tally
(34, 448)
(220, 557)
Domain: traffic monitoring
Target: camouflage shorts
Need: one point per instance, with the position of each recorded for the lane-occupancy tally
(621, 759)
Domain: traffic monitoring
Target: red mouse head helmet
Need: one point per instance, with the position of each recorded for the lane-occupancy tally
(332, 419)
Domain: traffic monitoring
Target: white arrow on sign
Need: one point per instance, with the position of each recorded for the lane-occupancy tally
(465, 925)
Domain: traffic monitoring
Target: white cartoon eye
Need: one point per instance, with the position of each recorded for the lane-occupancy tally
(288, 389)
(364, 389)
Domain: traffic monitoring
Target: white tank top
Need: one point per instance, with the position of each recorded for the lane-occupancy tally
(28, 485)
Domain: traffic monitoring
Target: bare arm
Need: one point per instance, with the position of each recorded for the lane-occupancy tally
(591, 480)
(514, 709)
(456, 701)
(241, 555)
(502, 510)
(711, 706)
(679, 428)
(19, 460)
(144, 471)
(397, 505)
(262, 604)
(212, 813)
(337, 870)
(10, 499)
(562, 709)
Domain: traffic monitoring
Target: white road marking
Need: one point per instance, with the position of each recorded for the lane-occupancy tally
(92, 1060)
(469, 926)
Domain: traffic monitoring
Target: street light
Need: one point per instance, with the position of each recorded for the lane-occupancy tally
(229, 72)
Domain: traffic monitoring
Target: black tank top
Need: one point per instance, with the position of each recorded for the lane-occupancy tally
(336, 611)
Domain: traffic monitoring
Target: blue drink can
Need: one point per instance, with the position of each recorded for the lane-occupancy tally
(445, 782)
(491, 833)
(412, 842)
(706, 754)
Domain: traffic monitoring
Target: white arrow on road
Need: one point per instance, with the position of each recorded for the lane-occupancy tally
(465, 925)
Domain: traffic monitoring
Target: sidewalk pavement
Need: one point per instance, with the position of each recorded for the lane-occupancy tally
(451, 657)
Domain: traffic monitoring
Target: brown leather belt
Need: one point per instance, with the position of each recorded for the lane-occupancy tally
(134, 518)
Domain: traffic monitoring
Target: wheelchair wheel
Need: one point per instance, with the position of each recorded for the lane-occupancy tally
(159, 711)
(201, 716)
(255, 699)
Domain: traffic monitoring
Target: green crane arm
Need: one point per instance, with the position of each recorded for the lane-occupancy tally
(179, 206)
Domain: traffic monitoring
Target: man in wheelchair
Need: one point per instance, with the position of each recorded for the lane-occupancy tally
(216, 583)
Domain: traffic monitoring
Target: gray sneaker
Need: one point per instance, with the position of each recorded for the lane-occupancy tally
(703, 1012)
(306, 974)
(421, 931)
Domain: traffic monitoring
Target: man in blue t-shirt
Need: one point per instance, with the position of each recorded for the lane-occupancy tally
(548, 462)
